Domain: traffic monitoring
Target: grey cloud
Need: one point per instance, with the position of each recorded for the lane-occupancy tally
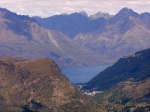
(50, 7)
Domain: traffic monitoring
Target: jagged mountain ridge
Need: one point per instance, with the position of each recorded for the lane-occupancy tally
(21, 36)
(71, 25)
(120, 35)
(101, 15)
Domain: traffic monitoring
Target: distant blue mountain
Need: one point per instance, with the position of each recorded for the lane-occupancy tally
(112, 37)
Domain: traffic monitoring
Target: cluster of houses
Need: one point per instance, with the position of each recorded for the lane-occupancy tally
(87, 92)
(92, 93)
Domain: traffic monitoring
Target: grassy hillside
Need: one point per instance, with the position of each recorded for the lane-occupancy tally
(38, 85)
(126, 84)
(127, 96)
(135, 67)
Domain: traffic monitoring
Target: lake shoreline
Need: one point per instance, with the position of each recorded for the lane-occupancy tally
(83, 74)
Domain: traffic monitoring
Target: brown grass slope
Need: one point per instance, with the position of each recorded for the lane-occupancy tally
(38, 85)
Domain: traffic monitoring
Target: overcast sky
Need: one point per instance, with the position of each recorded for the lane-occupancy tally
(45, 8)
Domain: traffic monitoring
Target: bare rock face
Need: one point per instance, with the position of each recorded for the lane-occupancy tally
(110, 36)
(123, 34)
(37, 85)
(100, 15)
(21, 36)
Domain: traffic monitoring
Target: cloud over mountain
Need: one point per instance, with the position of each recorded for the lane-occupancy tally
(45, 8)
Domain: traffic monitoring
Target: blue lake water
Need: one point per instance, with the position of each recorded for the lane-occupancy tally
(82, 75)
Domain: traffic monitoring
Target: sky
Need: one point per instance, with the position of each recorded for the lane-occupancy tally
(46, 8)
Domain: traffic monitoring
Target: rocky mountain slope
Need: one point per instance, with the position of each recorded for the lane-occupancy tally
(70, 25)
(21, 36)
(121, 35)
(100, 15)
(135, 67)
(114, 37)
(38, 85)
(73, 24)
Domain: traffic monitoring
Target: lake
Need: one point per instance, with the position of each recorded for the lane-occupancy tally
(82, 75)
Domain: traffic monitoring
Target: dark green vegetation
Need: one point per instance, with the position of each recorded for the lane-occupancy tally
(38, 85)
(126, 84)
(142, 109)
(127, 96)
(135, 67)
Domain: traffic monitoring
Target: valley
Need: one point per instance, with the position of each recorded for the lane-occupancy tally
(75, 62)
(82, 75)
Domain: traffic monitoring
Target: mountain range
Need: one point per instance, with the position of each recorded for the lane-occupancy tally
(73, 24)
(111, 37)
(22, 36)
(98, 41)
(38, 84)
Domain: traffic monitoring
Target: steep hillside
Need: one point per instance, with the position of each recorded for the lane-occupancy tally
(70, 25)
(135, 67)
(21, 36)
(127, 83)
(73, 24)
(121, 35)
(111, 36)
(38, 85)
(127, 96)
